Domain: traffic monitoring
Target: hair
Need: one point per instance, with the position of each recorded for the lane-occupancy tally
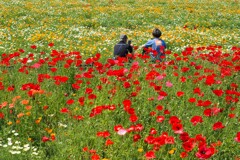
(156, 33)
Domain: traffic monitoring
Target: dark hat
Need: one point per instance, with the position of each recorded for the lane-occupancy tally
(123, 36)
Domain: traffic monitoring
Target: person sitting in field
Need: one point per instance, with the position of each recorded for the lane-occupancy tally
(157, 46)
(122, 49)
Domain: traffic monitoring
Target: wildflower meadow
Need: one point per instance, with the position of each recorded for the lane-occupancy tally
(63, 97)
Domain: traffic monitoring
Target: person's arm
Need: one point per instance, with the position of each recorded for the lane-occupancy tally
(148, 44)
(130, 48)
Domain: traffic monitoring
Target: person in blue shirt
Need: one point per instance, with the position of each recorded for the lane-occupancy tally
(157, 45)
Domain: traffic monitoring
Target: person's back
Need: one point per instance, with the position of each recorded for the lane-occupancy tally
(122, 48)
(157, 45)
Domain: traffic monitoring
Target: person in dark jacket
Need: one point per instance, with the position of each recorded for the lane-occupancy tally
(122, 49)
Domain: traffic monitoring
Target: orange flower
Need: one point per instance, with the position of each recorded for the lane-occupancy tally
(25, 102)
(18, 121)
(4, 104)
(15, 98)
(38, 120)
(11, 105)
(28, 107)
(20, 115)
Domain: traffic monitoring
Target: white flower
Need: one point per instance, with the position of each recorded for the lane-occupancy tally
(9, 139)
(26, 145)
(19, 148)
(26, 149)
(13, 131)
(29, 61)
(16, 134)
(9, 143)
(5, 145)
(17, 142)
(122, 131)
(34, 153)
(14, 152)
(34, 149)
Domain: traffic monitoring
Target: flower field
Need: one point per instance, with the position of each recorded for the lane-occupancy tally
(62, 96)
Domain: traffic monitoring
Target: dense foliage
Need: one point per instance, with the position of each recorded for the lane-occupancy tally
(63, 97)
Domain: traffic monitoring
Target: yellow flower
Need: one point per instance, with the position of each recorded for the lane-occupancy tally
(28, 113)
(9, 123)
(140, 150)
(105, 159)
(172, 151)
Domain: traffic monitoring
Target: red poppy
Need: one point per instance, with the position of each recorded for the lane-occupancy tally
(152, 113)
(79, 117)
(45, 139)
(174, 119)
(188, 145)
(75, 86)
(177, 128)
(133, 118)
(103, 134)
(92, 96)
(109, 142)
(95, 157)
(166, 111)
(183, 155)
(185, 69)
(51, 44)
(33, 46)
(64, 110)
(160, 119)
(53, 69)
(210, 80)
(180, 93)
(184, 137)
(136, 137)
(126, 85)
(70, 101)
(138, 127)
(231, 115)
(205, 152)
(196, 119)
(200, 139)
(118, 127)
(192, 100)
(159, 107)
(88, 90)
(1, 115)
(217, 126)
(153, 131)
(208, 112)
(10, 88)
(183, 79)
(127, 102)
(218, 92)
(149, 139)
(81, 100)
(150, 155)
(237, 138)
(169, 140)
